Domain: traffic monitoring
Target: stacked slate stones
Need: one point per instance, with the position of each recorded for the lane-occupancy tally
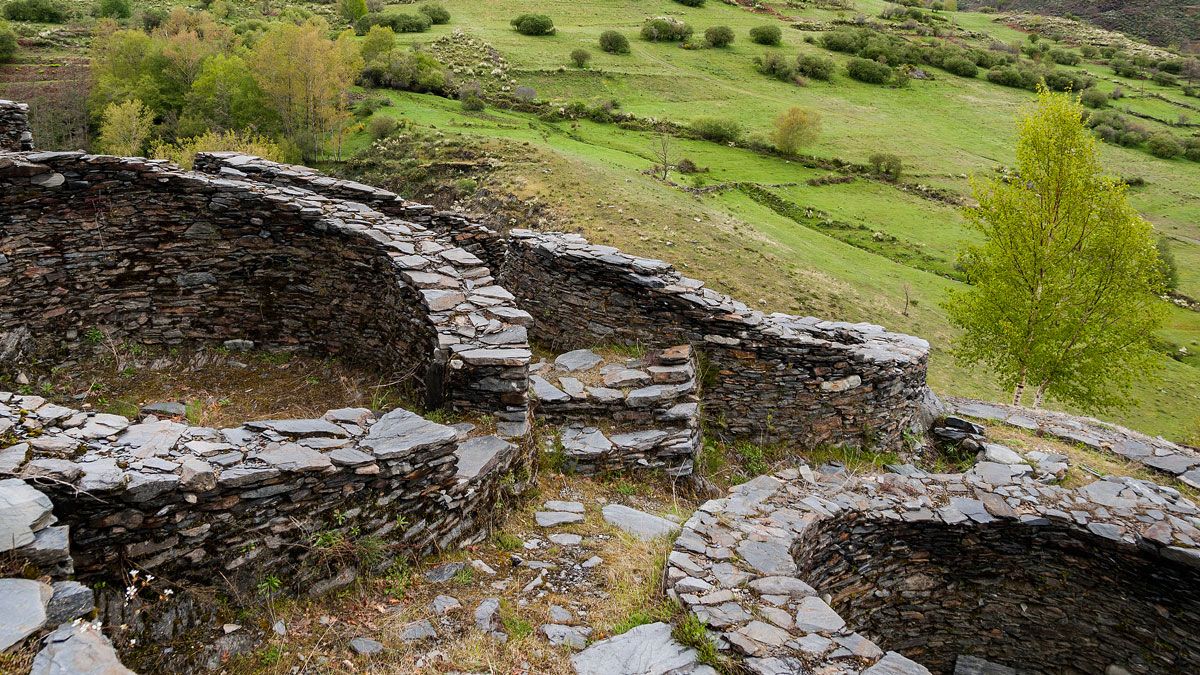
(649, 408)
(807, 570)
(15, 135)
(187, 502)
(50, 602)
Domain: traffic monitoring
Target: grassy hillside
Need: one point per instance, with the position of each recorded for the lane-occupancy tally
(864, 250)
(887, 243)
(1160, 22)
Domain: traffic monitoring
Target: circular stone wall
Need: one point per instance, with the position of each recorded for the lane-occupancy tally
(1041, 599)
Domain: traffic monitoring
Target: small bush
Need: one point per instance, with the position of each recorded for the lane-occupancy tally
(663, 29)
(41, 11)
(1164, 146)
(960, 66)
(717, 130)
(580, 57)
(153, 17)
(886, 164)
(1191, 149)
(533, 24)
(718, 36)
(766, 35)
(524, 94)
(382, 126)
(113, 9)
(436, 13)
(352, 10)
(866, 70)
(8, 42)
(1094, 98)
(397, 21)
(1063, 57)
(845, 41)
(794, 128)
(471, 96)
(816, 67)
(691, 3)
(613, 42)
(408, 71)
(776, 66)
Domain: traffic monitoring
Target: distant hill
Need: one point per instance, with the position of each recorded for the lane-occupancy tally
(1160, 22)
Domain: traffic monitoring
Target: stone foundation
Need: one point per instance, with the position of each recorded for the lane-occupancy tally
(15, 135)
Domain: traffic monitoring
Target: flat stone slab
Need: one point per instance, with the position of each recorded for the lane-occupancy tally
(569, 507)
(400, 433)
(815, 616)
(580, 359)
(478, 456)
(556, 518)
(648, 649)
(23, 605)
(78, 649)
(895, 664)
(417, 631)
(299, 428)
(642, 525)
(584, 441)
(366, 646)
(23, 511)
(546, 392)
(574, 637)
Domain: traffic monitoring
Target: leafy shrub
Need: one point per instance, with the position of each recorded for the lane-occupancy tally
(886, 164)
(691, 3)
(1063, 57)
(794, 128)
(816, 67)
(613, 42)
(1094, 98)
(580, 57)
(370, 106)
(1089, 52)
(41, 11)
(533, 24)
(718, 36)
(184, 151)
(766, 35)
(397, 21)
(776, 66)
(382, 126)
(866, 70)
(960, 66)
(471, 96)
(8, 41)
(717, 130)
(436, 13)
(1164, 146)
(407, 70)
(113, 9)
(153, 17)
(1191, 149)
(352, 10)
(524, 94)
(1164, 79)
(845, 41)
(664, 29)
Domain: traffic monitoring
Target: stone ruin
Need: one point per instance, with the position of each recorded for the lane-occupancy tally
(243, 252)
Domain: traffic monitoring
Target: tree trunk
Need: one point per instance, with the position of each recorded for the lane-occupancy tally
(1019, 390)
(1039, 395)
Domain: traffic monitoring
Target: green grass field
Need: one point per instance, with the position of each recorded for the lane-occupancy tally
(945, 130)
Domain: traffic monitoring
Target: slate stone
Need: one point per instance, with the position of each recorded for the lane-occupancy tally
(993, 452)
(543, 391)
(973, 665)
(78, 649)
(444, 604)
(814, 616)
(565, 539)
(641, 525)
(165, 409)
(645, 650)
(295, 457)
(895, 664)
(23, 605)
(417, 631)
(560, 614)
(584, 441)
(70, 600)
(569, 507)
(400, 433)
(580, 359)
(627, 377)
(298, 428)
(780, 585)
(366, 646)
(23, 510)
(478, 456)
(444, 572)
(571, 636)
(768, 557)
(556, 518)
(487, 615)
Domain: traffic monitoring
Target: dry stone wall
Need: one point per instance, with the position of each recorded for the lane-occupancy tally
(140, 250)
(186, 502)
(15, 135)
(772, 376)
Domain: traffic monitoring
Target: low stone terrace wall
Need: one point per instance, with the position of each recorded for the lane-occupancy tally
(769, 376)
(192, 503)
(452, 227)
(941, 567)
(15, 135)
(140, 250)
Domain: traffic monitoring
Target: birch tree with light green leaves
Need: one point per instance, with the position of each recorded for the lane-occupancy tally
(1062, 293)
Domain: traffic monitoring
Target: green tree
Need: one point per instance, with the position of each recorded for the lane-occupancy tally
(379, 40)
(125, 128)
(8, 41)
(794, 128)
(352, 10)
(1062, 294)
(225, 96)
